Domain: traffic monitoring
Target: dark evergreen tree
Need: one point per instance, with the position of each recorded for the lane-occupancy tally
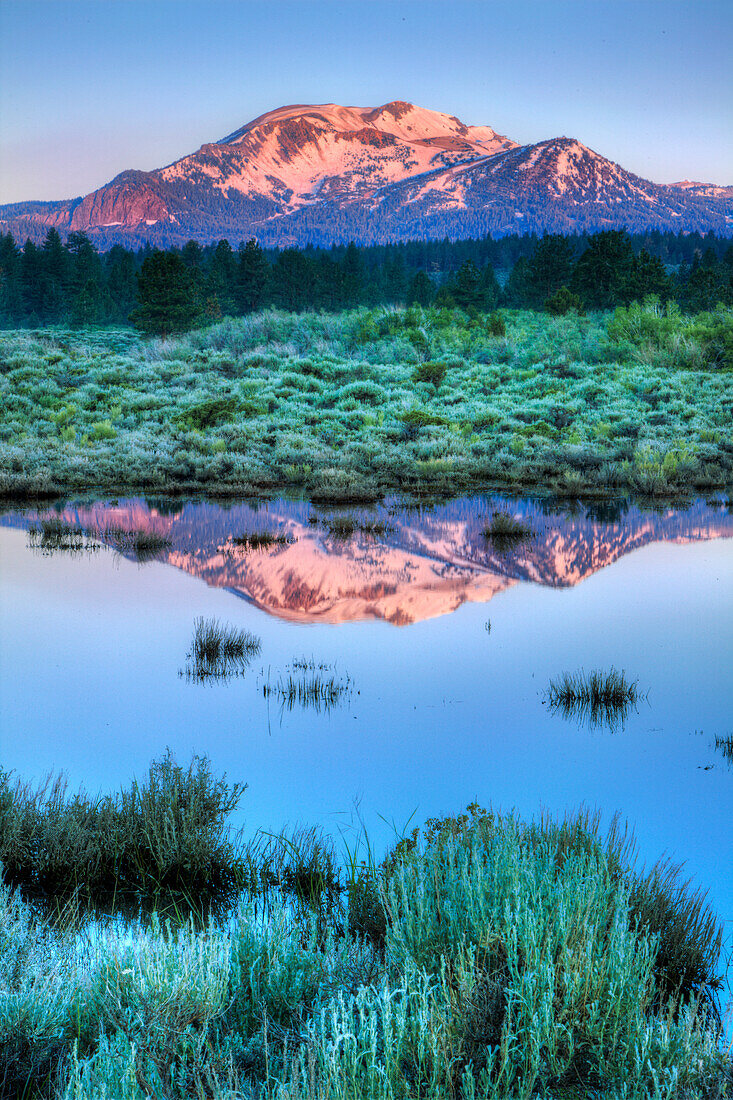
(55, 260)
(85, 266)
(648, 276)
(422, 290)
(222, 279)
(490, 289)
(602, 277)
(166, 296)
(467, 291)
(705, 287)
(353, 277)
(550, 267)
(518, 291)
(394, 282)
(252, 277)
(87, 306)
(33, 285)
(121, 283)
(11, 303)
(293, 279)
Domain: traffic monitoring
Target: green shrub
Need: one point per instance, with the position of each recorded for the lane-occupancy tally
(209, 413)
(562, 302)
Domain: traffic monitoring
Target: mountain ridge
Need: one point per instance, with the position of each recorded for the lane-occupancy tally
(325, 174)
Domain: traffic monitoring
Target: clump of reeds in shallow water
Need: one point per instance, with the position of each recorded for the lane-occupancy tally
(310, 685)
(344, 527)
(260, 540)
(142, 545)
(506, 532)
(219, 651)
(724, 745)
(54, 536)
(597, 697)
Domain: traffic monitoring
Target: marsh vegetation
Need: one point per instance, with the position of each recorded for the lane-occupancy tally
(483, 956)
(347, 407)
(598, 698)
(506, 532)
(312, 685)
(260, 540)
(53, 536)
(219, 651)
(724, 745)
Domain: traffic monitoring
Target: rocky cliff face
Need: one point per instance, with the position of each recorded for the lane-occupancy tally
(324, 174)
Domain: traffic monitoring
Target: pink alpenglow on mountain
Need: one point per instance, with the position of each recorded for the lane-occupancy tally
(325, 174)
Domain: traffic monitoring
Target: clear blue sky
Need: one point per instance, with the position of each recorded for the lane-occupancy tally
(91, 87)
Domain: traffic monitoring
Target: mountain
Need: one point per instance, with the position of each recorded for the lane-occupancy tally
(328, 174)
(427, 563)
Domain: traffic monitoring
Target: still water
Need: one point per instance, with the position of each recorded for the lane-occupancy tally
(449, 641)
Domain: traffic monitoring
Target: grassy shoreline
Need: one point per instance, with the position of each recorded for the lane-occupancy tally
(350, 407)
(482, 957)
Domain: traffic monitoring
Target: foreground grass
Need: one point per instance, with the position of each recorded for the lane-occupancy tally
(351, 406)
(484, 957)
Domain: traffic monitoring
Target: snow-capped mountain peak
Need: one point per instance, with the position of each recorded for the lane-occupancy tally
(324, 173)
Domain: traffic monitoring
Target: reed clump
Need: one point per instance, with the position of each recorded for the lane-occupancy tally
(724, 745)
(319, 687)
(506, 532)
(597, 697)
(261, 540)
(344, 527)
(142, 545)
(219, 651)
(52, 536)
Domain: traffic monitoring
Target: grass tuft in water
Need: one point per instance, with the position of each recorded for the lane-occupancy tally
(260, 540)
(598, 697)
(724, 745)
(308, 685)
(51, 536)
(506, 532)
(345, 527)
(219, 651)
(142, 545)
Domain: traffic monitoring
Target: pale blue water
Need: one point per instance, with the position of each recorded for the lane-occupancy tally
(443, 710)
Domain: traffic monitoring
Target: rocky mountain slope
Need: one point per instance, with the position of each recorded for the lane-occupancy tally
(326, 174)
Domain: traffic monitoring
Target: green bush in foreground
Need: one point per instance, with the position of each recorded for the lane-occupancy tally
(504, 959)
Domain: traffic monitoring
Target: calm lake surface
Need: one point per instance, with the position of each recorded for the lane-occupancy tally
(449, 643)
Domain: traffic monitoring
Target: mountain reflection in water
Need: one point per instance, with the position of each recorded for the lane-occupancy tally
(427, 563)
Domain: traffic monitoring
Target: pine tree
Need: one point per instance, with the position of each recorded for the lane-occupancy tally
(353, 275)
(166, 297)
(550, 266)
(222, 278)
(648, 276)
(422, 290)
(252, 277)
(602, 277)
(293, 278)
(490, 289)
(55, 261)
(467, 291)
(121, 282)
(11, 304)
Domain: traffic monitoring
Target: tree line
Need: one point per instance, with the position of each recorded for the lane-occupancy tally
(167, 291)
